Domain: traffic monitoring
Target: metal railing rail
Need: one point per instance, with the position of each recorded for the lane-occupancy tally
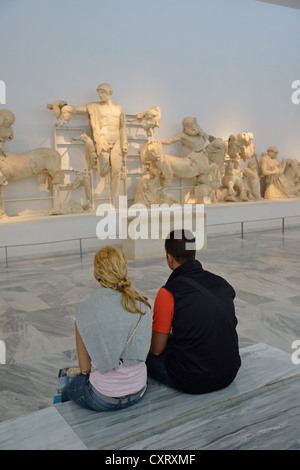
(46, 243)
(257, 220)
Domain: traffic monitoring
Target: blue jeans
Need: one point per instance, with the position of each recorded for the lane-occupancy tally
(81, 392)
(156, 368)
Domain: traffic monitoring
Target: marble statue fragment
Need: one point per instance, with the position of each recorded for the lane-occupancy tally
(234, 181)
(90, 151)
(150, 119)
(84, 183)
(7, 119)
(241, 146)
(204, 161)
(150, 190)
(151, 187)
(252, 179)
(73, 206)
(57, 106)
(196, 165)
(292, 173)
(191, 136)
(44, 163)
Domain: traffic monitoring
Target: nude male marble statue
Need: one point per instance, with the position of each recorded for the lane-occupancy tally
(108, 125)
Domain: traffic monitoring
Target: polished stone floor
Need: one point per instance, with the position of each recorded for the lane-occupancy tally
(38, 299)
(260, 410)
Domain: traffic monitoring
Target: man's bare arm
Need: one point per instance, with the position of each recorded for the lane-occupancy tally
(158, 343)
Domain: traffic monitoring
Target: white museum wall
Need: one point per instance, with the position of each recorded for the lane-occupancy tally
(229, 63)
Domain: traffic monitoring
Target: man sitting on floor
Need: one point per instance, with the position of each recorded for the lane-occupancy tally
(194, 344)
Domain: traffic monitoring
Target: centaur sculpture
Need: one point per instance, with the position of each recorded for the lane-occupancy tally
(45, 163)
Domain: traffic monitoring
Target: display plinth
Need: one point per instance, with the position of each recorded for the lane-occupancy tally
(221, 219)
(256, 215)
(47, 235)
(145, 235)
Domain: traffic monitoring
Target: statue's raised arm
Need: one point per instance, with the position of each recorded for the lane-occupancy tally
(62, 108)
(68, 111)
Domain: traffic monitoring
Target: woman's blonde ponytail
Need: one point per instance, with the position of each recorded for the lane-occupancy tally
(110, 269)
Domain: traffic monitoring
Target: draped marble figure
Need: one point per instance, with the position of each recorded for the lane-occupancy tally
(277, 185)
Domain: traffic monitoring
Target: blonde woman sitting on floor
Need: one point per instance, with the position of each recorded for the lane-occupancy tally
(113, 334)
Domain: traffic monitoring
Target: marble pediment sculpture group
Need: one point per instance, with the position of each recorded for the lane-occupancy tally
(219, 170)
(223, 171)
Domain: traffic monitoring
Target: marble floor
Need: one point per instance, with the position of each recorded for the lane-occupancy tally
(38, 299)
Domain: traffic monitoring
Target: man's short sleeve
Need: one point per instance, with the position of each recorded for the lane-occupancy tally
(163, 311)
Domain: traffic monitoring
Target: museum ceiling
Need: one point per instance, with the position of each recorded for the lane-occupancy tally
(284, 3)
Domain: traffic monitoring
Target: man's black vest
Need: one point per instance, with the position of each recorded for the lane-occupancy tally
(203, 351)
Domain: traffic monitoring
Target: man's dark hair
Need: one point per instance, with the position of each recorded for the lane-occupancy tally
(177, 244)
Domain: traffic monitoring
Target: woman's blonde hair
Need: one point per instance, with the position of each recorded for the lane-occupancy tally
(110, 269)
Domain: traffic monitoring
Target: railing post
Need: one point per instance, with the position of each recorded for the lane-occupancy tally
(242, 230)
(6, 257)
(282, 225)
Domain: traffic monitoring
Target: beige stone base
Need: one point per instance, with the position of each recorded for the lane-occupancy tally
(146, 235)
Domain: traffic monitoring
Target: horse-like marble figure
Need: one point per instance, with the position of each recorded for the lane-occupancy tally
(206, 166)
(190, 166)
(45, 163)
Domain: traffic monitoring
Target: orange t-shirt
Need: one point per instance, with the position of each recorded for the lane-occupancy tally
(163, 311)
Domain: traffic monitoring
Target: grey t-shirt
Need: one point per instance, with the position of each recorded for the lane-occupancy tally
(105, 326)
